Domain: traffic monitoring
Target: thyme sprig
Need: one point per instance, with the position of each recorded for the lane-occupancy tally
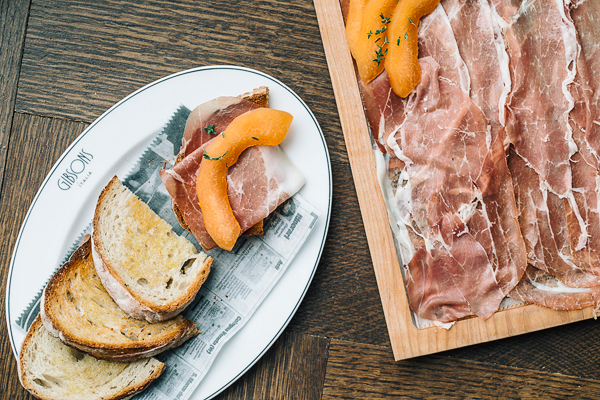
(207, 157)
(210, 129)
(380, 53)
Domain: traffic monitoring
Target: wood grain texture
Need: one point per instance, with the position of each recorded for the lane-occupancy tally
(294, 368)
(82, 57)
(343, 300)
(569, 349)
(362, 161)
(406, 340)
(356, 371)
(13, 20)
(35, 144)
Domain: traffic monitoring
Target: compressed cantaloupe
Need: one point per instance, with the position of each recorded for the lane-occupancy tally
(368, 35)
(402, 60)
(262, 126)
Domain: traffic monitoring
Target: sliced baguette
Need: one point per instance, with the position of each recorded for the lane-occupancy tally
(51, 370)
(148, 270)
(259, 96)
(77, 309)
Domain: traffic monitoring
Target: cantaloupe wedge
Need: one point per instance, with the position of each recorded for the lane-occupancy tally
(368, 36)
(402, 60)
(263, 126)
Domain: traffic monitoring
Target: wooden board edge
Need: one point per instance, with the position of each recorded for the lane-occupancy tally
(362, 164)
(407, 341)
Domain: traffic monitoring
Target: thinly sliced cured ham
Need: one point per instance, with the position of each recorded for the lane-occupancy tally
(261, 180)
(547, 245)
(461, 204)
(494, 159)
(210, 119)
(540, 288)
(586, 18)
(586, 133)
(542, 47)
(482, 48)
(384, 110)
(545, 217)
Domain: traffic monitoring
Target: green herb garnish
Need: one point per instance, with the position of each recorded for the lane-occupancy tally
(379, 55)
(255, 138)
(406, 36)
(210, 129)
(207, 157)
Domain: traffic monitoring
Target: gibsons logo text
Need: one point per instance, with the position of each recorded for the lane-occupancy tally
(75, 172)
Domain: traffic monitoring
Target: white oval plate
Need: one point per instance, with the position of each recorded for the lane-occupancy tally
(116, 139)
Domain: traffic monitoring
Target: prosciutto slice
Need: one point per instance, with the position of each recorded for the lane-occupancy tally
(482, 48)
(261, 180)
(455, 172)
(586, 18)
(210, 119)
(548, 213)
(540, 288)
(547, 242)
(542, 47)
(586, 133)
(494, 159)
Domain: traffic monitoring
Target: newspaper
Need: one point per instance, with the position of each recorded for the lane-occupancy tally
(239, 280)
(238, 283)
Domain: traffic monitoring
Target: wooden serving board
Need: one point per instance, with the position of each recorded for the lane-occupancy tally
(407, 341)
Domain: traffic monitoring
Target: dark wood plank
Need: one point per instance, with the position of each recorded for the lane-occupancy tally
(36, 143)
(343, 300)
(82, 57)
(13, 19)
(362, 371)
(294, 368)
(570, 350)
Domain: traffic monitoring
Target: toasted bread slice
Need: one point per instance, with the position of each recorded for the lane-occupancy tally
(259, 96)
(148, 270)
(77, 309)
(51, 370)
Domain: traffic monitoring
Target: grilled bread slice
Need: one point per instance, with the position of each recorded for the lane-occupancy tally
(51, 370)
(148, 270)
(77, 309)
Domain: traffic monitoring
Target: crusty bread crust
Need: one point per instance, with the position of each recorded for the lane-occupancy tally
(66, 332)
(28, 342)
(259, 96)
(129, 301)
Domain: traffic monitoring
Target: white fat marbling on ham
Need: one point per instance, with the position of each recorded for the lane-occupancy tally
(522, 76)
(586, 18)
(585, 165)
(384, 110)
(216, 114)
(540, 288)
(482, 48)
(261, 180)
(542, 47)
(445, 144)
(546, 238)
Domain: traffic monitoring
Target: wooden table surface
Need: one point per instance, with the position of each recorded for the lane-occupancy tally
(63, 63)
